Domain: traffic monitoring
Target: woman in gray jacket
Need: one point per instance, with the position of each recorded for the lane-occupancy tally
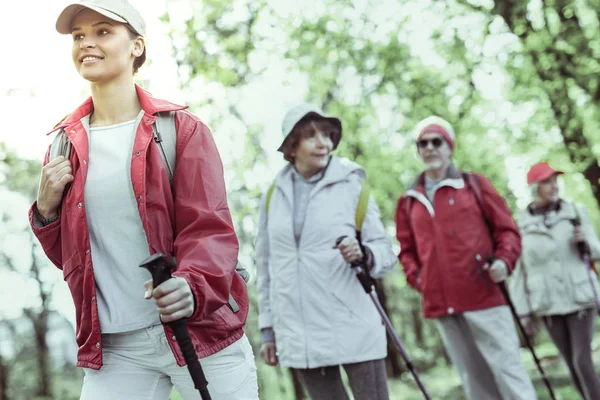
(313, 312)
(552, 281)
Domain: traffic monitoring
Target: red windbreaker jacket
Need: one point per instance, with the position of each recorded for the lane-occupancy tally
(189, 219)
(443, 245)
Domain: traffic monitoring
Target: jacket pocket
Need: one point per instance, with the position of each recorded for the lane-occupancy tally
(538, 292)
(583, 291)
(69, 267)
(351, 306)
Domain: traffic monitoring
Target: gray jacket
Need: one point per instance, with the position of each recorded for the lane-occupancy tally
(307, 293)
(550, 278)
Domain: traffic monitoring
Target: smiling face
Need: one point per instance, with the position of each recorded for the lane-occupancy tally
(434, 151)
(103, 49)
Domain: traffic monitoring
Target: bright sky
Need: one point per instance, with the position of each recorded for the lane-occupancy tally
(39, 86)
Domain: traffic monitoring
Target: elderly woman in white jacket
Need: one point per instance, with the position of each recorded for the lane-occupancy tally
(313, 312)
(552, 281)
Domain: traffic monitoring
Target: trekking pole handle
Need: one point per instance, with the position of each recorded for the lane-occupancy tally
(355, 263)
(581, 246)
(159, 265)
(363, 276)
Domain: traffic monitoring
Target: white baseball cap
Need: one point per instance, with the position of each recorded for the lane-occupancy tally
(117, 10)
(297, 113)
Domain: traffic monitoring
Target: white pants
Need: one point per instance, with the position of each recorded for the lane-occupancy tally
(139, 365)
(484, 347)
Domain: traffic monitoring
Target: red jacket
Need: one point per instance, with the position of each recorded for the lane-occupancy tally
(192, 222)
(440, 244)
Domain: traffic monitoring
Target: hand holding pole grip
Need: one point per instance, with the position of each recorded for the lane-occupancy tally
(582, 247)
(363, 276)
(368, 283)
(160, 265)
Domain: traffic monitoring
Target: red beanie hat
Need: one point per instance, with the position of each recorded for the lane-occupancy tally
(438, 125)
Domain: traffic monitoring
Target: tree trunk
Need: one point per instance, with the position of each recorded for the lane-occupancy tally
(418, 326)
(440, 352)
(40, 326)
(559, 69)
(3, 379)
(558, 77)
(395, 367)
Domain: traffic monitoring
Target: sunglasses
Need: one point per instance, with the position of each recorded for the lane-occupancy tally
(436, 142)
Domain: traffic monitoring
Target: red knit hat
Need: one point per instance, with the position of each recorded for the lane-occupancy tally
(438, 125)
(540, 172)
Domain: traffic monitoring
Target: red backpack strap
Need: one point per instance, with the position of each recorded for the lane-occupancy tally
(474, 184)
(472, 181)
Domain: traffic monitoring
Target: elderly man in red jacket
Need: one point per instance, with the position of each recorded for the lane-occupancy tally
(448, 224)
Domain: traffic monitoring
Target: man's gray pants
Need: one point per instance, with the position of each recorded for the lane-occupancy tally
(484, 347)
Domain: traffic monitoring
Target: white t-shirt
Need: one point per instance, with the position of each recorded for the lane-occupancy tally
(117, 237)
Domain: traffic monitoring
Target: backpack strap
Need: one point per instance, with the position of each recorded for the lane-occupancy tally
(474, 184)
(363, 204)
(408, 202)
(269, 195)
(61, 145)
(165, 136)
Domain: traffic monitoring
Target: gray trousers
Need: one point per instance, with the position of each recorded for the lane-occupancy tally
(572, 334)
(484, 347)
(368, 381)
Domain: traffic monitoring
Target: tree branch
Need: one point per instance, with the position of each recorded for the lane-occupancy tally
(473, 7)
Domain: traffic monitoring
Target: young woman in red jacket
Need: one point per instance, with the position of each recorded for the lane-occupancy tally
(111, 204)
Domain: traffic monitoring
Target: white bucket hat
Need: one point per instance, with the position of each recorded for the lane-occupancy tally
(298, 112)
(117, 10)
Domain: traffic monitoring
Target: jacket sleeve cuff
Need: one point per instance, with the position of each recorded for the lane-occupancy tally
(265, 320)
(38, 228)
(268, 335)
(199, 300)
(369, 258)
(509, 267)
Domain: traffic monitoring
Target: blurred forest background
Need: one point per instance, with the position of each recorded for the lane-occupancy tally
(518, 79)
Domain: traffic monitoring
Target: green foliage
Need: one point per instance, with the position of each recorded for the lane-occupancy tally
(19, 175)
(519, 81)
(359, 63)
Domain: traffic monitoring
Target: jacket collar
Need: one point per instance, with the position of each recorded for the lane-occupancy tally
(149, 104)
(452, 177)
(528, 220)
(337, 170)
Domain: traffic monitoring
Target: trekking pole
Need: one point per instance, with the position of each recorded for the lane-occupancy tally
(160, 266)
(367, 283)
(502, 286)
(584, 253)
